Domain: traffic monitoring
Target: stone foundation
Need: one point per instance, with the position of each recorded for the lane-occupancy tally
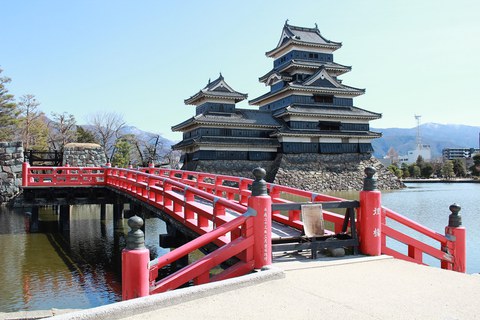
(84, 155)
(11, 159)
(239, 168)
(313, 172)
(320, 173)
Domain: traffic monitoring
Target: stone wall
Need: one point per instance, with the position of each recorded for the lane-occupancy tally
(239, 168)
(11, 159)
(84, 155)
(323, 172)
(313, 172)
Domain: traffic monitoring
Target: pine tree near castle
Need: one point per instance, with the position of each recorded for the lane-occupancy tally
(8, 111)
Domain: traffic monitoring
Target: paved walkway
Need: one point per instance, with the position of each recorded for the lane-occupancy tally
(349, 288)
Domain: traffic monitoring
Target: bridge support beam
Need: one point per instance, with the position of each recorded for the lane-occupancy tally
(103, 212)
(31, 220)
(64, 217)
(117, 214)
(370, 216)
(174, 239)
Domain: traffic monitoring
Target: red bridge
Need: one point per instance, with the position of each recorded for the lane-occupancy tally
(245, 220)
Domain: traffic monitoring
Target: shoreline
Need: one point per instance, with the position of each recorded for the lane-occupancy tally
(440, 181)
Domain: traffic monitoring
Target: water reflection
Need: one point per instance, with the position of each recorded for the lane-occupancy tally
(77, 267)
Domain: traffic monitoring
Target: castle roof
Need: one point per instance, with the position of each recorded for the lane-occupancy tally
(241, 118)
(309, 37)
(318, 83)
(331, 67)
(284, 131)
(216, 90)
(327, 112)
(227, 142)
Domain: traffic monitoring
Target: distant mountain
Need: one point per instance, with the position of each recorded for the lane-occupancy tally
(438, 136)
(142, 136)
(146, 136)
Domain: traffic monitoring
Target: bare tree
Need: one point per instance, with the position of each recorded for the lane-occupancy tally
(106, 128)
(62, 130)
(28, 110)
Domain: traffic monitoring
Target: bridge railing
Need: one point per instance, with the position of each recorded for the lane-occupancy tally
(450, 249)
(240, 247)
(238, 189)
(41, 176)
(228, 224)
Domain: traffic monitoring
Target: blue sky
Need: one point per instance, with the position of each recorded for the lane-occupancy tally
(141, 59)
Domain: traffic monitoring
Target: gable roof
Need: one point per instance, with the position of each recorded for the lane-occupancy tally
(332, 67)
(302, 36)
(217, 89)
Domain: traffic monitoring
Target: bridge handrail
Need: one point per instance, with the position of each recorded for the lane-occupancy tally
(416, 248)
(414, 225)
(276, 191)
(192, 272)
(43, 176)
(149, 177)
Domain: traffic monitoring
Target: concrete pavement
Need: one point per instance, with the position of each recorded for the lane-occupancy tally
(352, 287)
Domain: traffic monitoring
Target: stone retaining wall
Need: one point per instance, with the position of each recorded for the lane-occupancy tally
(84, 155)
(240, 168)
(313, 172)
(319, 173)
(11, 159)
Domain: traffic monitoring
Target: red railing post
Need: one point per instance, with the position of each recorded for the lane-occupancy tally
(260, 207)
(25, 177)
(456, 235)
(369, 216)
(135, 260)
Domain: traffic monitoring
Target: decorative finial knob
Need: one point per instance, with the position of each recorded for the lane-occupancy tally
(369, 182)
(135, 237)
(455, 218)
(259, 186)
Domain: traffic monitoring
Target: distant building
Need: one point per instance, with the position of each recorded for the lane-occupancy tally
(308, 110)
(459, 153)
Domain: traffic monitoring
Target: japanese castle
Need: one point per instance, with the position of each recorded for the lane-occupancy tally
(308, 110)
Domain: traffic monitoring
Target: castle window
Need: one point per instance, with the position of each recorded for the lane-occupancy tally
(329, 125)
(322, 98)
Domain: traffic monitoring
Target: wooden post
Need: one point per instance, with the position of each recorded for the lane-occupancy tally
(457, 236)
(260, 207)
(103, 211)
(135, 260)
(25, 178)
(370, 213)
(65, 217)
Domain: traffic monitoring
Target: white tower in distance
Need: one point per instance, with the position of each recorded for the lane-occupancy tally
(420, 149)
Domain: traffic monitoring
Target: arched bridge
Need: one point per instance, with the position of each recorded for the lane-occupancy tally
(245, 219)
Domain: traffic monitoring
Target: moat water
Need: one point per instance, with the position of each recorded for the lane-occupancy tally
(81, 268)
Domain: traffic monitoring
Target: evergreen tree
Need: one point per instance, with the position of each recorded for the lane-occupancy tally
(426, 170)
(121, 154)
(475, 169)
(447, 169)
(8, 111)
(85, 136)
(459, 168)
(405, 171)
